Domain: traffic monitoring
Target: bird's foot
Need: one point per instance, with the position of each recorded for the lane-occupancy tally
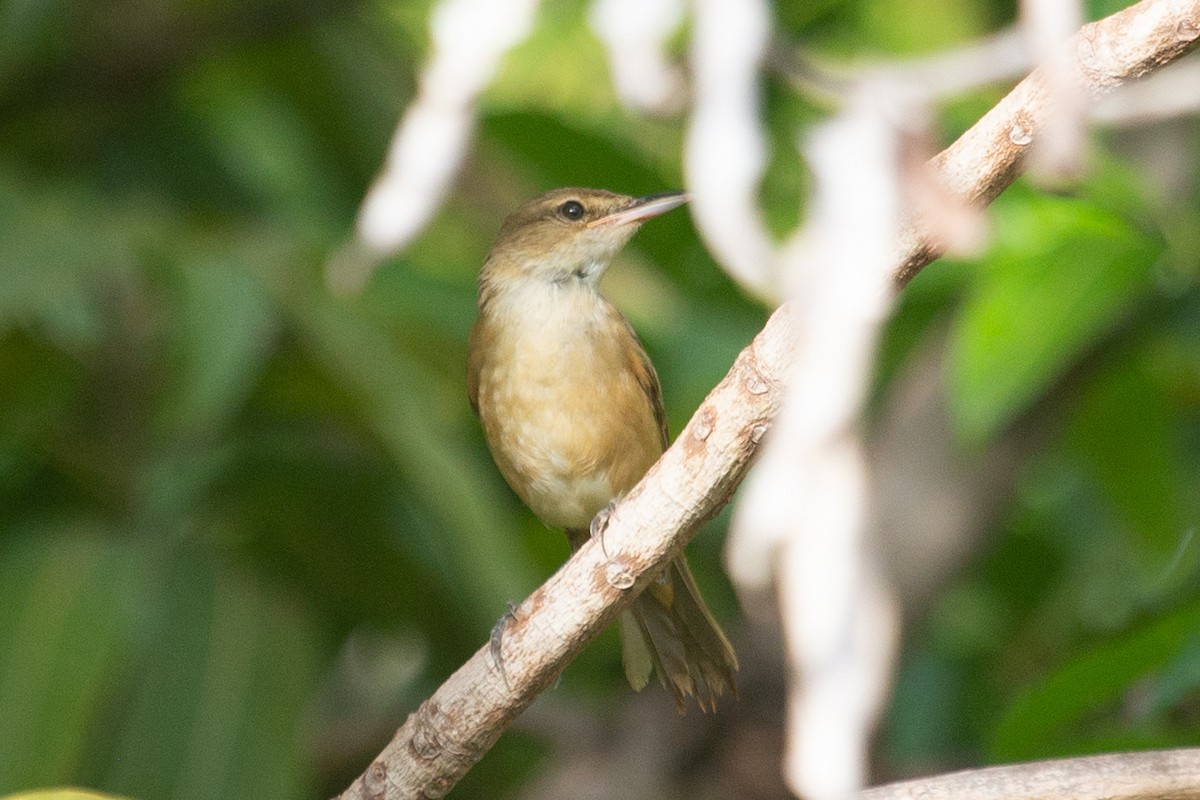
(600, 525)
(617, 575)
(496, 640)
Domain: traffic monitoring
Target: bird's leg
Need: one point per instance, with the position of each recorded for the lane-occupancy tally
(496, 640)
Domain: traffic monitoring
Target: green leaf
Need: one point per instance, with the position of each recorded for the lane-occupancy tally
(1060, 273)
(59, 247)
(1074, 704)
(1123, 429)
(259, 139)
(919, 25)
(545, 71)
(67, 606)
(214, 705)
(224, 325)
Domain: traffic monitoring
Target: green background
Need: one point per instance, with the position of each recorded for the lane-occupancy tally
(246, 525)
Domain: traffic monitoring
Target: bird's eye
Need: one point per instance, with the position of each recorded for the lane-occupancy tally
(572, 210)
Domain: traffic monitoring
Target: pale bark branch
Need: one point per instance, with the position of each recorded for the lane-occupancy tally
(1155, 775)
(1108, 53)
(452, 729)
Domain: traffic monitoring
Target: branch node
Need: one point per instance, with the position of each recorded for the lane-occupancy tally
(425, 743)
(1021, 133)
(439, 787)
(375, 780)
(752, 379)
(618, 575)
(702, 427)
(758, 431)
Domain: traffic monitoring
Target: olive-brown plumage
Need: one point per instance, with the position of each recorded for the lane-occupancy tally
(572, 409)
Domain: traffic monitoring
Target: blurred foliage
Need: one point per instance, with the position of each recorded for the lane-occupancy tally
(61, 794)
(246, 525)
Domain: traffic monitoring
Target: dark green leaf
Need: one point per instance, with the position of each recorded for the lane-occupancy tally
(1060, 272)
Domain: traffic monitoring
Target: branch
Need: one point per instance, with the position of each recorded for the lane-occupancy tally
(1157, 775)
(453, 729)
(1107, 54)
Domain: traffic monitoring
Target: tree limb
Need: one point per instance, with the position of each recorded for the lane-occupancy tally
(1155, 775)
(453, 729)
(1108, 53)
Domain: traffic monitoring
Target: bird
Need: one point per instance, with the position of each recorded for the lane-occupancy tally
(572, 411)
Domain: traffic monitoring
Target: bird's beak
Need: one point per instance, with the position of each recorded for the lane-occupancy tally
(643, 208)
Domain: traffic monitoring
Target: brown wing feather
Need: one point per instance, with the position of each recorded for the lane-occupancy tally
(647, 378)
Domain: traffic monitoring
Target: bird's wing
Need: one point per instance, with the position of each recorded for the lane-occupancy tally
(647, 378)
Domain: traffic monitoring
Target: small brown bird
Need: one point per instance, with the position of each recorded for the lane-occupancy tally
(573, 413)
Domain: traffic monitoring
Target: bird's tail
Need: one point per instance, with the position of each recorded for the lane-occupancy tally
(669, 630)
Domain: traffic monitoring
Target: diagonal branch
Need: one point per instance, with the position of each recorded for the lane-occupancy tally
(453, 729)
(1128, 45)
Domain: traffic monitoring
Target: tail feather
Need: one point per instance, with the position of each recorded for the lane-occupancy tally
(670, 631)
(685, 645)
(636, 656)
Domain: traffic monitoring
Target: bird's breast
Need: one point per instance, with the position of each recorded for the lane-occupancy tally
(566, 418)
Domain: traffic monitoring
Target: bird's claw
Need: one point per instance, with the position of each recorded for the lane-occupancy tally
(496, 640)
(616, 573)
(600, 524)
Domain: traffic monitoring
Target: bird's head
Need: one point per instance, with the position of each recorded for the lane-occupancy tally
(570, 234)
